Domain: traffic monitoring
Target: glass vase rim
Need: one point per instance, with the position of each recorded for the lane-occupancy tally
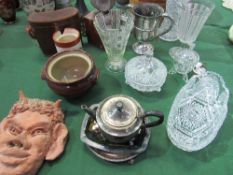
(207, 3)
(112, 29)
(148, 3)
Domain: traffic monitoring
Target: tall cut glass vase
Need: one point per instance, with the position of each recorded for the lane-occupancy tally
(114, 29)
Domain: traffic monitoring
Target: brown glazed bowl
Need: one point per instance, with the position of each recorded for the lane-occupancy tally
(70, 73)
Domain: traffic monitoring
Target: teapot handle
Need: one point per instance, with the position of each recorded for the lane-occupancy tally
(171, 23)
(157, 114)
(88, 110)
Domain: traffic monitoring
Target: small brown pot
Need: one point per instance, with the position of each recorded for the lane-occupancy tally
(70, 73)
(42, 25)
(7, 11)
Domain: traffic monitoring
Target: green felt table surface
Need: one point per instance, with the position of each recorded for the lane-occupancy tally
(21, 62)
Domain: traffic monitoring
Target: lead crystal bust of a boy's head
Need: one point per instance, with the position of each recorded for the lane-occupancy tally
(32, 132)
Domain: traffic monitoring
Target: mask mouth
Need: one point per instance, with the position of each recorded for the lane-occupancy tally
(13, 158)
(12, 152)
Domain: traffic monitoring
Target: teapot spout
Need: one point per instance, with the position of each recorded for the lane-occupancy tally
(89, 111)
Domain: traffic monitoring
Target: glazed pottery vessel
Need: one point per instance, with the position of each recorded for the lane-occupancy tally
(43, 25)
(70, 73)
(7, 11)
(70, 39)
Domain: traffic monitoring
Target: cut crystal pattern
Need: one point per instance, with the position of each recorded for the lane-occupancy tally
(198, 112)
(145, 73)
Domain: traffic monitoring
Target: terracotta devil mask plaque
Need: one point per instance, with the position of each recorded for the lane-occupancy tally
(32, 132)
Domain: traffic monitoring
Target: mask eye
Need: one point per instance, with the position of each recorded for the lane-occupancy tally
(38, 131)
(13, 130)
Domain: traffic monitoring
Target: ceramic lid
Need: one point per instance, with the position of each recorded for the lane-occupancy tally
(118, 112)
(145, 73)
(52, 16)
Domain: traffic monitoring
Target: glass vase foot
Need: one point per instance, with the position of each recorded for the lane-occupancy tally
(169, 37)
(143, 48)
(116, 66)
(184, 59)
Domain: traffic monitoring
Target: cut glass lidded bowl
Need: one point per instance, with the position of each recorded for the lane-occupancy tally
(145, 73)
(198, 111)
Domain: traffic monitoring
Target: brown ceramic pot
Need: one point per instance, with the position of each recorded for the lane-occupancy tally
(42, 25)
(70, 73)
(7, 11)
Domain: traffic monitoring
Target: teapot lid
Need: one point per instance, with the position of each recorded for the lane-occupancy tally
(118, 111)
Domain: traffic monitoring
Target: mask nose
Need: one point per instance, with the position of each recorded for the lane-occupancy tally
(19, 141)
(15, 143)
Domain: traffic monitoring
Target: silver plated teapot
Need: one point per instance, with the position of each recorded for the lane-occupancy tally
(121, 117)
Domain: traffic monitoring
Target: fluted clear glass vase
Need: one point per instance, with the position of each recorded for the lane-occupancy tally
(114, 30)
(191, 19)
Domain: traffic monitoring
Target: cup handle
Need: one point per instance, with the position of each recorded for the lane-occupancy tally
(157, 114)
(165, 15)
(30, 31)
